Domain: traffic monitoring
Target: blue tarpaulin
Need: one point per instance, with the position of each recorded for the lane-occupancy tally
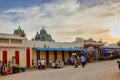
(106, 51)
(62, 49)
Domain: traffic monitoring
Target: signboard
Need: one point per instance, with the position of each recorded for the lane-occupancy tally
(91, 49)
(73, 54)
(11, 47)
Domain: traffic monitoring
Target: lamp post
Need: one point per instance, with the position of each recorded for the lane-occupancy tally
(96, 54)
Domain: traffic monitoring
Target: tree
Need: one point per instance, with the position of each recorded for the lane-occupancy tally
(118, 43)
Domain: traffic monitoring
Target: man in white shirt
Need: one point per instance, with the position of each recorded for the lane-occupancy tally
(43, 63)
(83, 61)
(39, 63)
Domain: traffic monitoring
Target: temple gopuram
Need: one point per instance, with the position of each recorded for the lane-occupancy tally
(19, 32)
(43, 36)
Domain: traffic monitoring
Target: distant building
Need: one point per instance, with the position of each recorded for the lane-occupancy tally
(19, 32)
(79, 40)
(89, 42)
(43, 36)
(93, 47)
(93, 43)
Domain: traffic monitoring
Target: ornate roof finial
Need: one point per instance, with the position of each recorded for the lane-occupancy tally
(19, 27)
(42, 27)
(100, 40)
(20, 32)
(37, 32)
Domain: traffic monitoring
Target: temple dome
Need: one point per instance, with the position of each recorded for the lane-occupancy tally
(43, 36)
(43, 31)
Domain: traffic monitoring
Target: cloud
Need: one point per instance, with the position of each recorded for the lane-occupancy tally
(63, 19)
(103, 31)
(107, 15)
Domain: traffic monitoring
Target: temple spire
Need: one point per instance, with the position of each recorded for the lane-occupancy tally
(42, 27)
(19, 32)
(37, 33)
(19, 27)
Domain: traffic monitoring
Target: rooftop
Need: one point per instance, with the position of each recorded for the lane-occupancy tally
(12, 36)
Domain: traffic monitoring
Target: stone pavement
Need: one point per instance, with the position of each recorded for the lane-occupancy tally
(104, 70)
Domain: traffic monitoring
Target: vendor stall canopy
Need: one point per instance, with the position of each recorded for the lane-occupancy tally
(106, 51)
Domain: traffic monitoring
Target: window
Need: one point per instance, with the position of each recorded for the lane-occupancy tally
(4, 40)
(16, 41)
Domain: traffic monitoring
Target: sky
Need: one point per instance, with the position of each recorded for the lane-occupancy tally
(63, 19)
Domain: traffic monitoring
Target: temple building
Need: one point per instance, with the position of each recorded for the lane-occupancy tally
(24, 53)
(12, 48)
(20, 32)
(89, 42)
(43, 36)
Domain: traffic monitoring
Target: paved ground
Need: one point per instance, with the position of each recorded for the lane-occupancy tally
(105, 70)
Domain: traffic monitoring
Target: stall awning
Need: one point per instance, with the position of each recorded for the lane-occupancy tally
(105, 51)
(61, 49)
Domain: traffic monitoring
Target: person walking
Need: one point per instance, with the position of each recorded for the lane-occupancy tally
(76, 63)
(71, 60)
(118, 64)
(83, 60)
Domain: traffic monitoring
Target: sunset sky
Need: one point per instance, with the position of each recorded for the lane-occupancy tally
(63, 19)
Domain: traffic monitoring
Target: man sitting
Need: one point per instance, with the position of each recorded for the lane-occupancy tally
(57, 64)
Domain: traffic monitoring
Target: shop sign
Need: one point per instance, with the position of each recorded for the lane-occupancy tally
(91, 49)
(11, 47)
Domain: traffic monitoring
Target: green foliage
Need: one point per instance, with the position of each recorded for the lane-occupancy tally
(118, 43)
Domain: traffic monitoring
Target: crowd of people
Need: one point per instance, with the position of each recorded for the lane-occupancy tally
(5, 68)
(57, 64)
(54, 64)
(41, 63)
(75, 60)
